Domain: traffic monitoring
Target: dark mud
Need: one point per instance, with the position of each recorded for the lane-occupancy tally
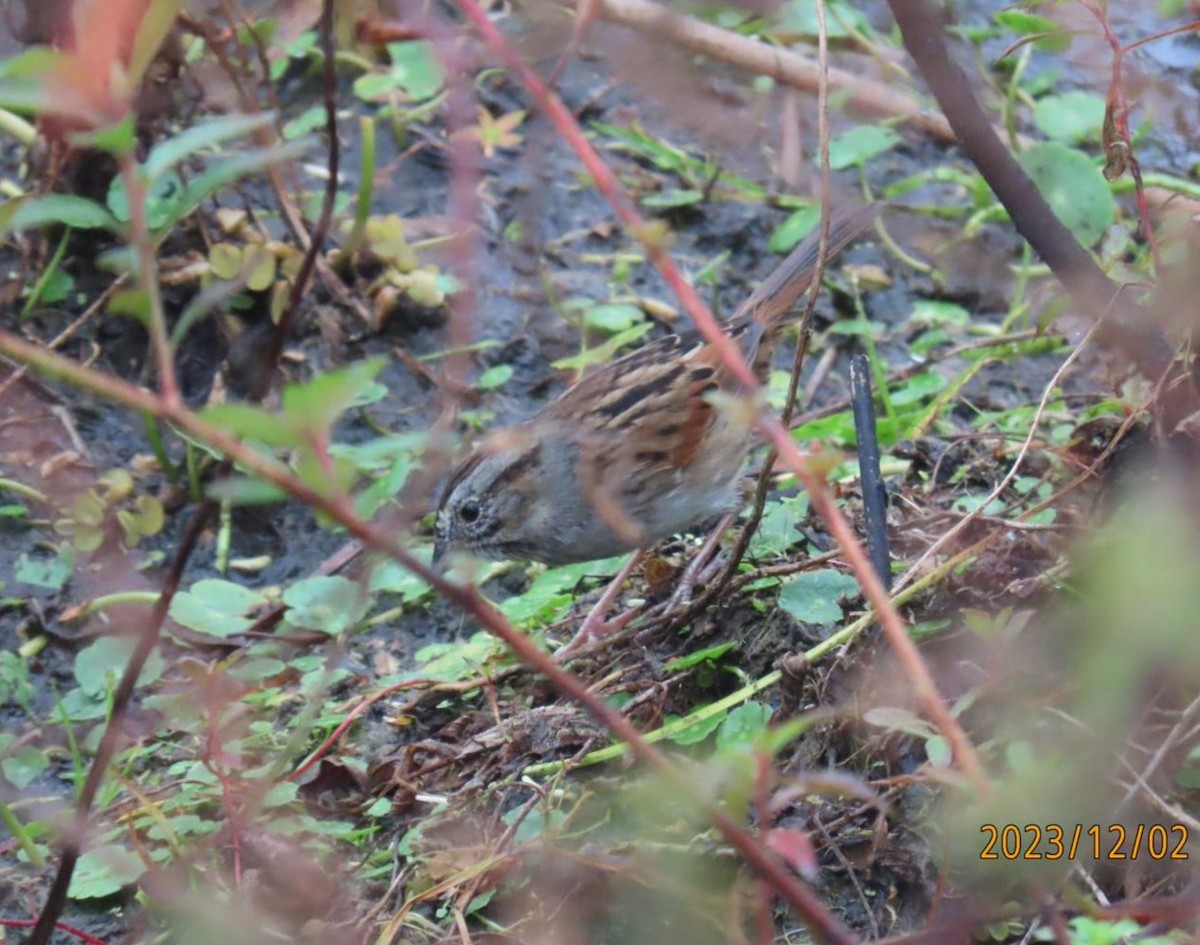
(44, 428)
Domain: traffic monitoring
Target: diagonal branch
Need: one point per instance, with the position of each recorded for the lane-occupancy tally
(338, 508)
(768, 423)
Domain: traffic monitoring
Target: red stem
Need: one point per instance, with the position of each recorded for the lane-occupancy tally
(769, 424)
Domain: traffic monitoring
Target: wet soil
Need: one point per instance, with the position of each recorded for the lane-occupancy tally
(61, 440)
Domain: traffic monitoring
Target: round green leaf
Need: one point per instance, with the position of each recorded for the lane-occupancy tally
(324, 602)
(101, 664)
(1074, 187)
(215, 607)
(23, 766)
(812, 597)
(417, 67)
(743, 726)
(1071, 118)
(225, 260)
(104, 872)
(698, 731)
(262, 271)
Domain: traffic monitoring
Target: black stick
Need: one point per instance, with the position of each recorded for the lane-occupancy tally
(873, 492)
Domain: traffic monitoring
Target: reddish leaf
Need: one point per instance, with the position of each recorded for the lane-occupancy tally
(796, 849)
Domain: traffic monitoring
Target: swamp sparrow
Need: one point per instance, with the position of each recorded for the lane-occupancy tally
(637, 450)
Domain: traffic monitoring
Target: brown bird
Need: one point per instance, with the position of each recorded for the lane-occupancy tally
(637, 450)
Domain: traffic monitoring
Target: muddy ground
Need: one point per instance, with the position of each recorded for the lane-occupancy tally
(441, 754)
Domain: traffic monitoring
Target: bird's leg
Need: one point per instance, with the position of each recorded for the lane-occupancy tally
(594, 625)
(701, 568)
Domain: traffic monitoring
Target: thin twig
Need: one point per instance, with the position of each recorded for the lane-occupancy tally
(339, 508)
(114, 729)
(782, 65)
(915, 568)
(769, 425)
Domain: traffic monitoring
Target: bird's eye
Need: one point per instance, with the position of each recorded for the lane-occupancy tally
(469, 511)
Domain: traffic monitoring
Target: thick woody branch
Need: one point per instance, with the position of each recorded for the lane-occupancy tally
(1124, 325)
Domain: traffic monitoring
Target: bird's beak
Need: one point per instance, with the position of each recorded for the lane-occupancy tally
(439, 553)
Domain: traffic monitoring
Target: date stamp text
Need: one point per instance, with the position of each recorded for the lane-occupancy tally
(1078, 841)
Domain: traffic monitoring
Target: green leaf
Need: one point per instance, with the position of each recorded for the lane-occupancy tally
(163, 199)
(859, 145)
(25, 95)
(375, 86)
(391, 578)
(698, 731)
(118, 139)
(927, 629)
(416, 74)
(99, 665)
(496, 376)
(917, 388)
(1051, 36)
(52, 574)
(1072, 118)
(673, 197)
(930, 312)
(837, 428)
(778, 532)
(105, 871)
(798, 18)
(241, 490)
(743, 726)
(1074, 187)
(552, 591)
(928, 340)
(302, 47)
(252, 423)
(257, 669)
(231, 169)
(603, 352)
(313, 407)
(612, 317)
(710, 654)
(57, 287)
(937, 750)
(326, 603)
(199, 138)
(280, 794)
(792, 230)
(308, 121)
(215, 607)
(66, 209)
(812, 596)
(418, 68)
(23, 766)
(34, 62)
(451, 661)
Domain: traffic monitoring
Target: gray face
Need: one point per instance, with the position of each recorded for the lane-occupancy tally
(487, 508)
